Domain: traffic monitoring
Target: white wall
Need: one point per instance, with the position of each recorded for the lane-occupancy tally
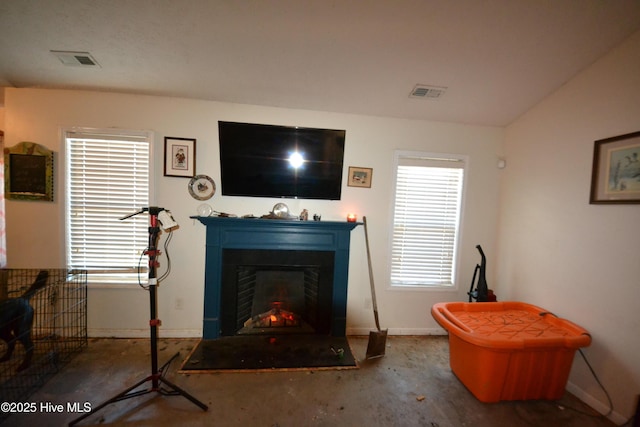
(36, 235)
(578, 260)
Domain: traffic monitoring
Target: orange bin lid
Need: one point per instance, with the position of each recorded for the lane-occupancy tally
(508, 325)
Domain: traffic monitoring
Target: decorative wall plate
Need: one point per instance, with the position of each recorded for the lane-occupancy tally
(202, 187)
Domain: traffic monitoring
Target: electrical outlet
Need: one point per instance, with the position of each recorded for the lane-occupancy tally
(179, 305)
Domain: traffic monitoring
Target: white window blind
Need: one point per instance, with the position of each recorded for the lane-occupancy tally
(426, 217)
(107, 178)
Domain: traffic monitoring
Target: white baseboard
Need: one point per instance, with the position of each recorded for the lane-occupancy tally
(143, 333)
(197, 333)
(596, 404)
(399, 331)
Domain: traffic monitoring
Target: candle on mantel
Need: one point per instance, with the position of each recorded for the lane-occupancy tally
(352, 217)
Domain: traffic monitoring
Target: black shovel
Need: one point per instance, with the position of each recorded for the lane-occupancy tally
(377, 339)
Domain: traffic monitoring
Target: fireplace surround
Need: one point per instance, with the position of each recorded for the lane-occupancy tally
(316, 247)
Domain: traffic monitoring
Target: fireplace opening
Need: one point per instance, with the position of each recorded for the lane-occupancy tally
(276, 292)
(277, 300)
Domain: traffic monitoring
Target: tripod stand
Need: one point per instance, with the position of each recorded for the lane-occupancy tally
(157, 375)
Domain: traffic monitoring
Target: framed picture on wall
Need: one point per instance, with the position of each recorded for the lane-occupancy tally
(179, 157)
(615, 177)
(28, 172)
(360, 177)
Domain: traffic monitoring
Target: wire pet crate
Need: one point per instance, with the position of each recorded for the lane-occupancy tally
(54, 302)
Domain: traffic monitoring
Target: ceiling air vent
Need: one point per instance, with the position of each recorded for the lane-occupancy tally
(76, 59)
(427, 92)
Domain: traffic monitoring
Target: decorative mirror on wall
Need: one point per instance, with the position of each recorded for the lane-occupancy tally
(28, 172)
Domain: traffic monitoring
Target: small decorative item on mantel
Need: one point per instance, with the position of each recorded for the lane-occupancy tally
(351, 217)
(280, 211)
(205, 209)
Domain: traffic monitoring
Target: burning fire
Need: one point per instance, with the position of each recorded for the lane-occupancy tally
(276, 317)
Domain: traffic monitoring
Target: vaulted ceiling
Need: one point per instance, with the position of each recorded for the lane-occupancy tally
(490, 60)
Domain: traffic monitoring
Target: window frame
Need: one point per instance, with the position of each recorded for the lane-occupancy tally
(97, 276)
(463, 161)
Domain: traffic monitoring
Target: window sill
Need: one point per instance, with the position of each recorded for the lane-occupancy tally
(113, 285)
(422, 288)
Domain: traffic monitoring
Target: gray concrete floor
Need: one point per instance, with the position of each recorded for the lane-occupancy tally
(411, 386)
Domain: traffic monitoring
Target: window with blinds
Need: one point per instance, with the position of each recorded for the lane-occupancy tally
(107, 177)
(427, 208)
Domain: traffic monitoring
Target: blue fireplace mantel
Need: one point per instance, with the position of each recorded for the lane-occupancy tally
(274, 234)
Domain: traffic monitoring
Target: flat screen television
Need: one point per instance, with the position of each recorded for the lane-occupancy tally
(280, 161)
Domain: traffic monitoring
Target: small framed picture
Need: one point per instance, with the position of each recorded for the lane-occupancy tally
(360, 177)
(615, 177)
(179, 157)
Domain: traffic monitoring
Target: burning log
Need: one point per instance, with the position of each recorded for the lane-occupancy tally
(274, 318)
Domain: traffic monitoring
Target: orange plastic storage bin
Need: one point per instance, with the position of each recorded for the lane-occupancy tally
(509, 350)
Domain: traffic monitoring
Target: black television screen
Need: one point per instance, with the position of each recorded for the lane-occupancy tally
(280, 161)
